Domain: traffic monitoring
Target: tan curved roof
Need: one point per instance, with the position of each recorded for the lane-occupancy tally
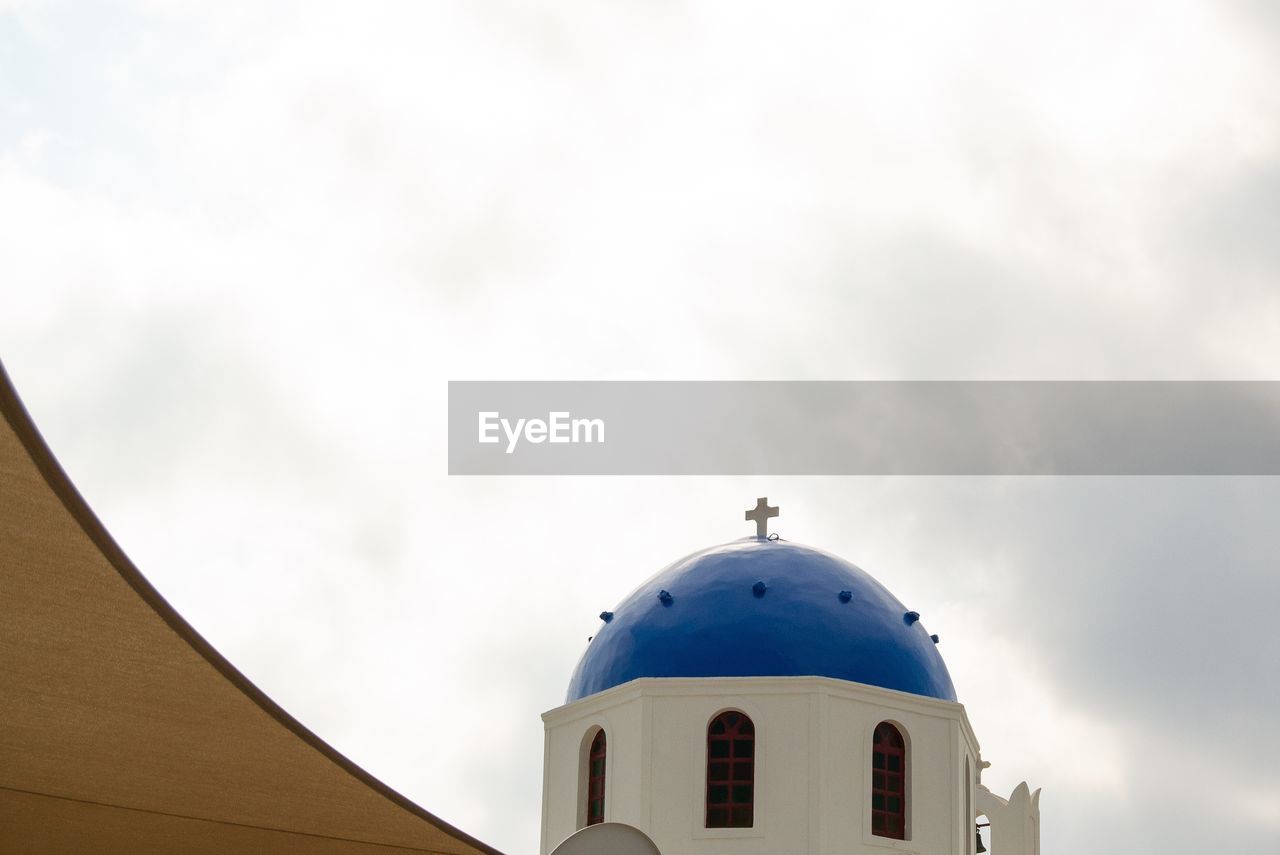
(123, 731)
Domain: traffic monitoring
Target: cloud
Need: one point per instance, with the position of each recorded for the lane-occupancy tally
(247, 246)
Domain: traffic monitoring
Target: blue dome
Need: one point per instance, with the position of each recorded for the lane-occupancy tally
(706, 615)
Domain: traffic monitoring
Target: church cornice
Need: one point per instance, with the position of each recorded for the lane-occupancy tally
(730, 686)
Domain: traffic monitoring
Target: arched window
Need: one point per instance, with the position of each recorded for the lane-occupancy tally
(731, 771)
(595, 780)
(888, 783)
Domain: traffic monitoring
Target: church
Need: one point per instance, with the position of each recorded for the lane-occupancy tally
(764, 697)
(759, 697)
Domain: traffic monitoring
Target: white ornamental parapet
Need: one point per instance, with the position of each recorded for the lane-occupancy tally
(1015, 821)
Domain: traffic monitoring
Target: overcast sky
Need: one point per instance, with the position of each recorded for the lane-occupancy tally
(243, 249)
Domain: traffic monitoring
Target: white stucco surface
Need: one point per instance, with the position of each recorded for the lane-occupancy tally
(813, 765)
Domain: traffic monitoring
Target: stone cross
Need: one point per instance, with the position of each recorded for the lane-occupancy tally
(761, 514)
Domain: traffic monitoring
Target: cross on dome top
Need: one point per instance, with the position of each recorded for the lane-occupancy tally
(761, 514)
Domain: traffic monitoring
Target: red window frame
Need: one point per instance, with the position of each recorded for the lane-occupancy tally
(888, 783)
(731, 771)
(595, 779)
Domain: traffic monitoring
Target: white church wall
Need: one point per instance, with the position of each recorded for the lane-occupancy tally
(813, 765)
(933, 782)
(620, 714)
(782, 769)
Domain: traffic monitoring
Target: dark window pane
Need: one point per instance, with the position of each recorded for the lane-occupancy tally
(730, 771)
(888, 769)
(595, 779)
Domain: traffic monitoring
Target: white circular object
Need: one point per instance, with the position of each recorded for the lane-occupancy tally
(607, 838)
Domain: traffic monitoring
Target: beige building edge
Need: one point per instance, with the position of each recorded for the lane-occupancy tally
(122, 731)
